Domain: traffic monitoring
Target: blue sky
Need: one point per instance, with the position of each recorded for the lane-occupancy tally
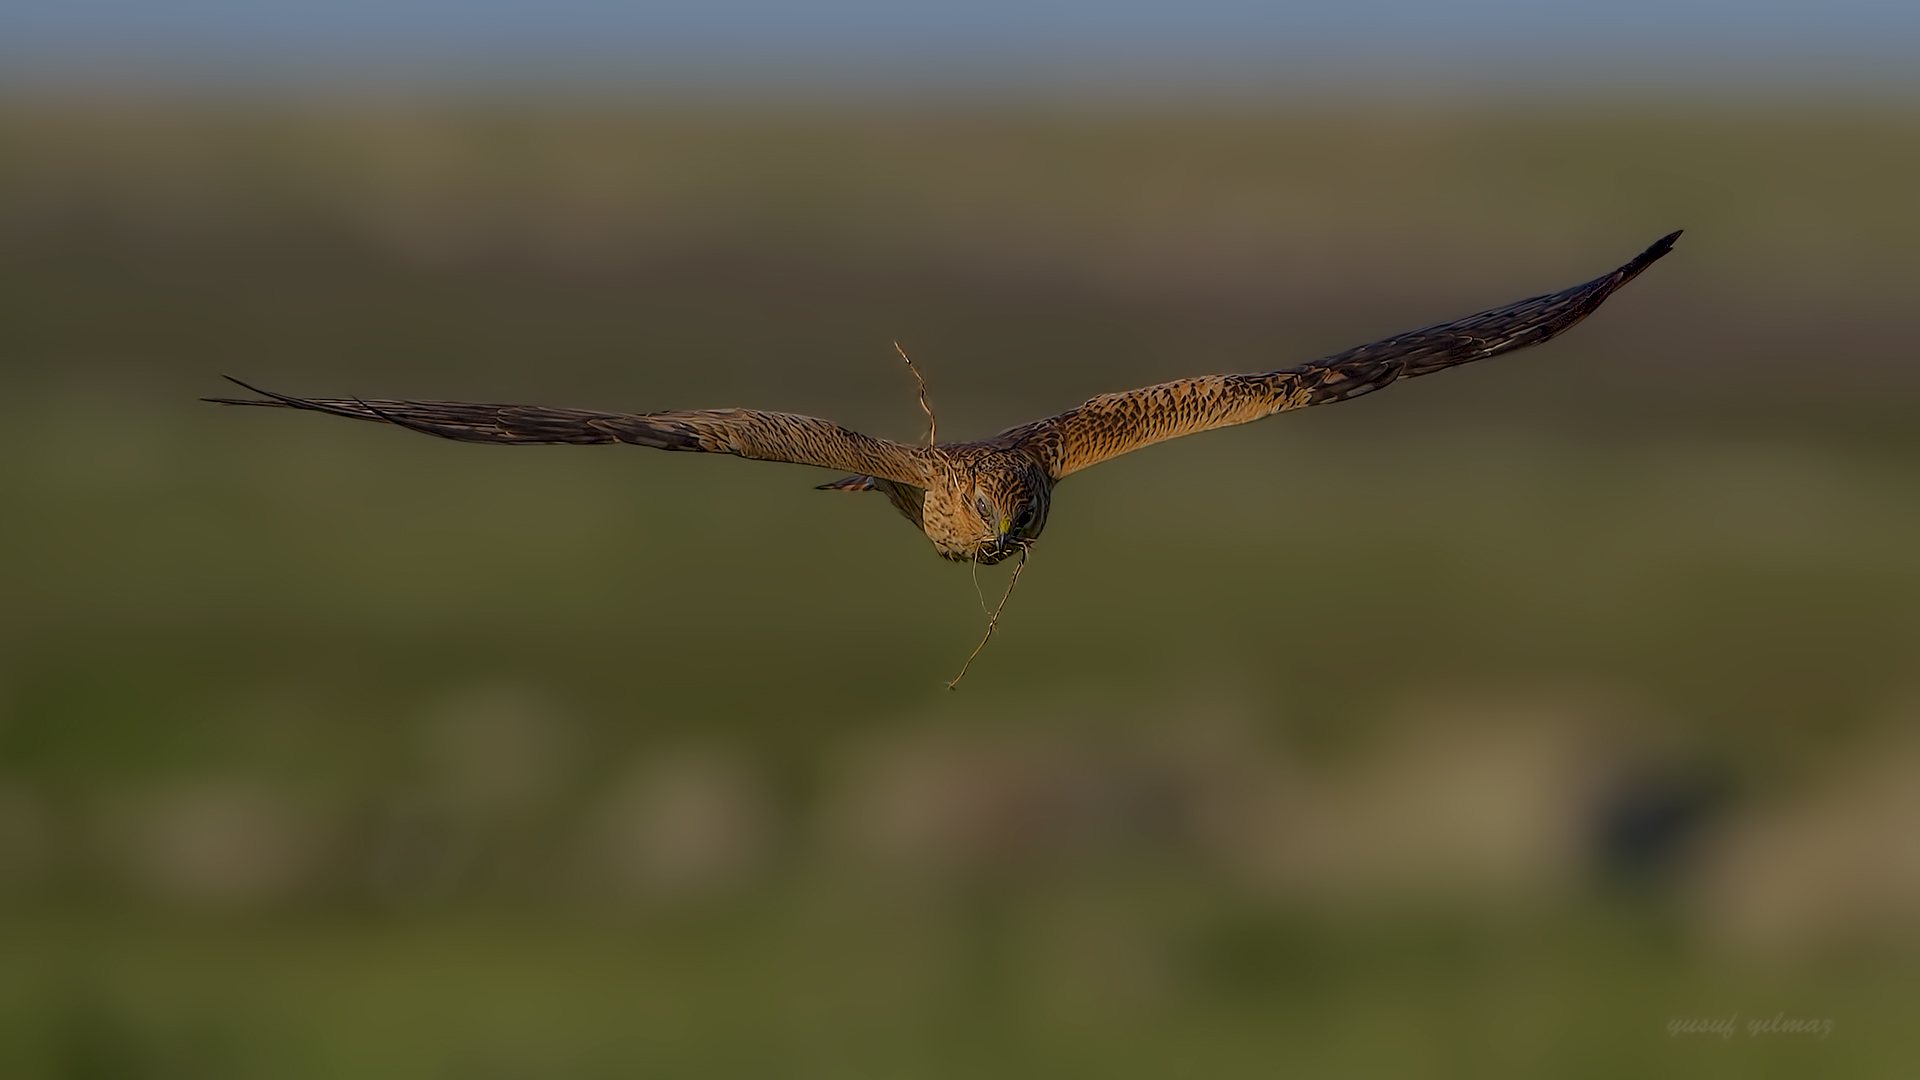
(744, 40)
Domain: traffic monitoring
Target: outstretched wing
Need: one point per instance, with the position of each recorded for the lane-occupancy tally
(747, 433)
(1114, 424)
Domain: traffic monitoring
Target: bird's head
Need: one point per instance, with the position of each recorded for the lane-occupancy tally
(1011, 507)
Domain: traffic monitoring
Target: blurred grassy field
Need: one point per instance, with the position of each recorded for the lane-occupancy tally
(328, 750)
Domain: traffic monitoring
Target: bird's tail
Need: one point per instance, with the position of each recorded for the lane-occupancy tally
(849, 483)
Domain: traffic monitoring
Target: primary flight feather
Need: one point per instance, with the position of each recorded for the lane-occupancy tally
(980, 501)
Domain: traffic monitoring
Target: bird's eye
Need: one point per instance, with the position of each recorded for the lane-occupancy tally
(985, 507)
(1024, 514)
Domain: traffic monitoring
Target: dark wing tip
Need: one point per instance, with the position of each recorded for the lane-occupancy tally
(1648, 257)
(1602, 287)
(274, 399)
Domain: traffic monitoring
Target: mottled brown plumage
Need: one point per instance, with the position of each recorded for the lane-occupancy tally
(980, 501)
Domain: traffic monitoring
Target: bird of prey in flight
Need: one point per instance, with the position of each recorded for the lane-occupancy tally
(981, 501)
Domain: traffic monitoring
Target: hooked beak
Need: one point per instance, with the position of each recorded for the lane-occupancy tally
(1002, 536)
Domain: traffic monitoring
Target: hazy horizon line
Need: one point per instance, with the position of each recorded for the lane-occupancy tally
(746, 76)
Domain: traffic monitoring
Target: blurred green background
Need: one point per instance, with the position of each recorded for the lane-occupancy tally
(1484, 727)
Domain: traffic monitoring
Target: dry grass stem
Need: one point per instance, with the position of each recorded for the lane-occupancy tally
(933, 426)
(993, 621)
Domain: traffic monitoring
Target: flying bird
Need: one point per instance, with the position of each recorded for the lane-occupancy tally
(982, 501)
